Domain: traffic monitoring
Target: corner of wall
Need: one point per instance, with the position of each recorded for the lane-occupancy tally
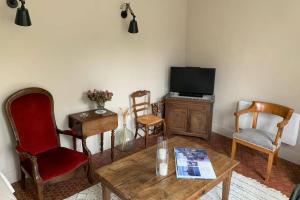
(186, 31)
(222, 130)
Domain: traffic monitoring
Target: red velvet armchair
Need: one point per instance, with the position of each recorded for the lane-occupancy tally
(30, 114)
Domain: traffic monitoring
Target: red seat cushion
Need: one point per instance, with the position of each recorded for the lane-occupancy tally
(56, 162)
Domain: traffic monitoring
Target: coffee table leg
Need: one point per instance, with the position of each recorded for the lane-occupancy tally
(105, 192)
(226, 186)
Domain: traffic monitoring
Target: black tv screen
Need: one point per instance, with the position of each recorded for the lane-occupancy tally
(192, 81)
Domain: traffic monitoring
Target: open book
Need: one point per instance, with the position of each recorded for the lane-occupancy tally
(193, 163)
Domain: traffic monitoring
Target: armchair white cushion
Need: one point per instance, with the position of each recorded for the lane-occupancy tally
(258, 137)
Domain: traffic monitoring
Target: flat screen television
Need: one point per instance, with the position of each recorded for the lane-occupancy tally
(192, 81)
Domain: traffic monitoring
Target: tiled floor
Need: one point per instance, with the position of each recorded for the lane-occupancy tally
(284, 176)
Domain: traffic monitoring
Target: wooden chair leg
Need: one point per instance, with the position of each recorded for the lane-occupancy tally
(23, 180)
(146, 134)
(233, 150)
(90, 163)
(155, 130)
(136, 131)
(269, 167)
(164, 129)
(276, 157)
(40, 190)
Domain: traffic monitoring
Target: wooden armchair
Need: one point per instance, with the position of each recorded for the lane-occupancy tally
(30, 114)
(261, 140)
(145, 121)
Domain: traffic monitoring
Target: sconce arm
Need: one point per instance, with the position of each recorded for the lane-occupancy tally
(130, 10)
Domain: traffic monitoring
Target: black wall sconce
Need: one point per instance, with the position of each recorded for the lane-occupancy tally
(133, 26)
(22, 16)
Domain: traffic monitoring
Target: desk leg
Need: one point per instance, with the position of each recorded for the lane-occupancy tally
(112, 144)
(101, 142)
(105, 192)
(226, 186)
(74, 143)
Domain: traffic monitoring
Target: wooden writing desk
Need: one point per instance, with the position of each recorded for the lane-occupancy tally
(93, 124)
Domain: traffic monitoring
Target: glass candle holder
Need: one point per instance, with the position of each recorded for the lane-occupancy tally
(162, 157)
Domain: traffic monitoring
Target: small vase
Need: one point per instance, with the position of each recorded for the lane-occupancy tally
(100, 105)
(100, 108)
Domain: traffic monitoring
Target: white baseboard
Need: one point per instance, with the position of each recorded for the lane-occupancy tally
(289, 155)
(221, 130)
(11, 175)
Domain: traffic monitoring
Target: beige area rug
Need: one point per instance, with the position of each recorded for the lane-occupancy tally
(242, 188)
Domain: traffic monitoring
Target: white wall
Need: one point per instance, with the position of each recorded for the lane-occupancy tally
(74, 46)
(255, 47)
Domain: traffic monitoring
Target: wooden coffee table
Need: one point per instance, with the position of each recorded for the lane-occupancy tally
(134, 177)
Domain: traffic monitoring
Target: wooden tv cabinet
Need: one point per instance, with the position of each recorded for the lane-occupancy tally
(189, 116)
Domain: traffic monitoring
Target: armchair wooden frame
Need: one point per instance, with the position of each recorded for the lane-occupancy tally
(269, 108)
(145, 122)
(33, 159)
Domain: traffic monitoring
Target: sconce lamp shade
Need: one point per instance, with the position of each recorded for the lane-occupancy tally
(133, 26)
(22, 17)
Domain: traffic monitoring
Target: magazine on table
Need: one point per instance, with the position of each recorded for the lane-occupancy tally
(192, 163)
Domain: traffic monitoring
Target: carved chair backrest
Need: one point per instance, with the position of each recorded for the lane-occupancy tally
(158, 109)
(30, 114)
(269, 108)
(140, 102)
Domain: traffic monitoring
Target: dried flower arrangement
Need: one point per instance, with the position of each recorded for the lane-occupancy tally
(100, 97)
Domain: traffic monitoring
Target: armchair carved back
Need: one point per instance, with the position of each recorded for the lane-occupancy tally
(30, 113)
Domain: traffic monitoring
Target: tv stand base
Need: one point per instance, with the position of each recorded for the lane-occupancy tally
(189, 116)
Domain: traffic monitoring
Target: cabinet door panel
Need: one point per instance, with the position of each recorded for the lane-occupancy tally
(198, 121)
(177, 118)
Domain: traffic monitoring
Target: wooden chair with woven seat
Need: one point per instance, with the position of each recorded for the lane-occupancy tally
(144, 120)
(261, 140)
